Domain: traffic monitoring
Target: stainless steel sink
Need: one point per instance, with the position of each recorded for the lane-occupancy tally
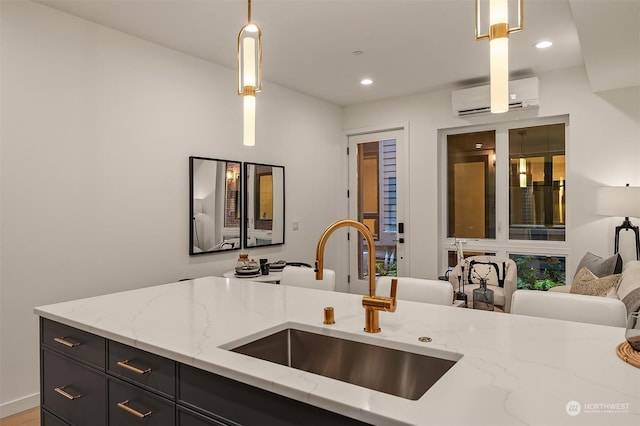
(396, 372)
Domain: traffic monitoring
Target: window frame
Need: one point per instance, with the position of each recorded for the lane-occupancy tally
(501, 245)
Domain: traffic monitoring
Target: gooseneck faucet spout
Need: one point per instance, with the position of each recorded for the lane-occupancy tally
(372, 304)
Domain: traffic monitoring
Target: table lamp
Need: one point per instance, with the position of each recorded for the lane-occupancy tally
(621, 201)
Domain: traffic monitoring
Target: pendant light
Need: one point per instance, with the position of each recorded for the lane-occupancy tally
(249, 74)
(498, 36)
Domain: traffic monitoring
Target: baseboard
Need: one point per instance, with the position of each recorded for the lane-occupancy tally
(18, 405)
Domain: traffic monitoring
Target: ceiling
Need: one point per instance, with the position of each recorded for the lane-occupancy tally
(410, 46)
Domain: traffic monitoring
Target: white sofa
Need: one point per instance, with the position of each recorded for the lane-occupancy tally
(559, 303)
(569, 307)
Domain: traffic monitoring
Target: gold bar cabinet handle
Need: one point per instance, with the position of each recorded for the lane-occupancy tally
(67, 395)
(125, 364)
(65, 342)
(130, 410)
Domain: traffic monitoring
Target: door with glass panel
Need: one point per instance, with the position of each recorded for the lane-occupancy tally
(375, 199)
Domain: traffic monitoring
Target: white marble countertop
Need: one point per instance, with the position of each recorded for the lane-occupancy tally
(514, 370)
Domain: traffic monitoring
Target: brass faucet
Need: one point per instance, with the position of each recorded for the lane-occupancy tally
(372, 304)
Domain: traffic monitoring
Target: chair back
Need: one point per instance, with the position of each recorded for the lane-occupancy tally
(296, 276)
(495, 270)
(418, 290)
(499, 271)
(570, 307)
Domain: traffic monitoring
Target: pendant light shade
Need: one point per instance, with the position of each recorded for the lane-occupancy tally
(249, 74)
(498, 36)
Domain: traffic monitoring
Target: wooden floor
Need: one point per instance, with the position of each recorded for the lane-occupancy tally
(25, 418)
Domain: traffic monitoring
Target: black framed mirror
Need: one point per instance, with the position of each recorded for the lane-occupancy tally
(215, 205)
(263, 205)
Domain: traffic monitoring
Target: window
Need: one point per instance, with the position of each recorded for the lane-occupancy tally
(369, 182)
(377, 203)
(471, 185)
(537, 183)
(505, 190)
(539, 272)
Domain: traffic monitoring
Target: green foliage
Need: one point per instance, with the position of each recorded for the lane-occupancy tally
(391, 271)
(554, 272)
(532, 278)
(527, 274)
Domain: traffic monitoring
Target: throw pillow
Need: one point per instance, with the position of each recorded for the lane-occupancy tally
(613, 293)
(583, 275)
(587, 283)
(599, 266)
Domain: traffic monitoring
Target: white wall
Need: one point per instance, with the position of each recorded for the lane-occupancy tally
(603, 149)
(96, 131)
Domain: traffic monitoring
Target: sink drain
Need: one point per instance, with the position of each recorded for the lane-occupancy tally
(424, 339)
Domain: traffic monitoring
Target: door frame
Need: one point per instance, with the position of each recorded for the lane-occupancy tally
(403, 191)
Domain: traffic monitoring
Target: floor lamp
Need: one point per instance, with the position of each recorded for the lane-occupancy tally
(621, 201)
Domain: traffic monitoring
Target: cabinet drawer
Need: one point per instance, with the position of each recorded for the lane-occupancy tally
(130, 405)
(48, 419)
(73, 391)
(146, 369)
(238, 403)
(73, 342)
(187, 417)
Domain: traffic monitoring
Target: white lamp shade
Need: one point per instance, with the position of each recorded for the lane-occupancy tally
(499, 58)
(250, 58)
(620, 201)
(249, 134)
(499, 74)
(498, 11)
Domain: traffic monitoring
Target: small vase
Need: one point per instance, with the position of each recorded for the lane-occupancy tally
(483, 297)
(632, 333)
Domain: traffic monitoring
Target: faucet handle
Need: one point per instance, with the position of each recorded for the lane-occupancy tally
(394, 288)
(382, 303)
(392, 296)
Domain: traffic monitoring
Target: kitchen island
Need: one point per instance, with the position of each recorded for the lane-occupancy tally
(510, 369)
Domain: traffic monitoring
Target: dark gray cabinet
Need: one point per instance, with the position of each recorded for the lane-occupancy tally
(131, 405)
(73, 391)
(187, 417)
(89, 380)
(77, 344)
(147, 370)
(232, 402)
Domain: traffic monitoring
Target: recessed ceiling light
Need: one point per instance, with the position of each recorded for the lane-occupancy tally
(366, 81)
(543, 44)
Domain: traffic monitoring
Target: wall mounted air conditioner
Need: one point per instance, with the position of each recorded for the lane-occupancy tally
(524, 93)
